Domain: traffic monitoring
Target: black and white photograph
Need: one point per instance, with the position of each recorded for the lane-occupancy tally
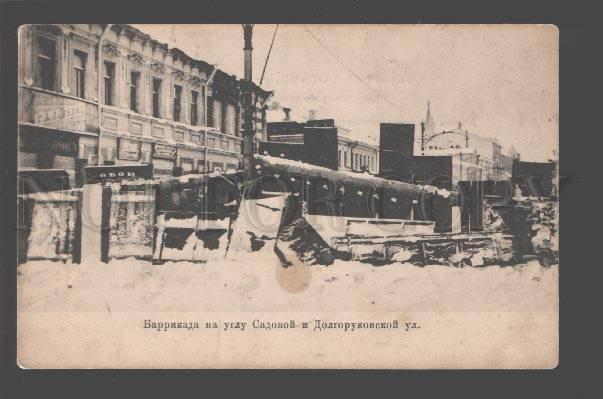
(288, 196)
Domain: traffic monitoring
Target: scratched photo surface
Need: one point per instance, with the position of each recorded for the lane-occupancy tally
(288, 196)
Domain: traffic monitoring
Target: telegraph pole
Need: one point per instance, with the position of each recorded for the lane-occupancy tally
(248, 133)
(422, 138)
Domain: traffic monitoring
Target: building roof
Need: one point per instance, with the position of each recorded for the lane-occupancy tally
(178, 54)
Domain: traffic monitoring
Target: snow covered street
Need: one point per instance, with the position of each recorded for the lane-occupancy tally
(256, 282)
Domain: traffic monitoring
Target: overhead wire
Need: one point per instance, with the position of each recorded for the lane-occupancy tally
(351, 71)
(268, 56)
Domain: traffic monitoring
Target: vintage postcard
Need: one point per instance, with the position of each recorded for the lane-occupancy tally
(288, 196)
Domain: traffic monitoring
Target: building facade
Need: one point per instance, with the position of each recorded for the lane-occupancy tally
(149, 103)
(465, 164)
(482, 158)
(352, 154)
(357, 156)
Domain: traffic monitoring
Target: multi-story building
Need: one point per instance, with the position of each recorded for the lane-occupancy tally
(149, 103)
(489, 162)
(356, 155)
(353, 155)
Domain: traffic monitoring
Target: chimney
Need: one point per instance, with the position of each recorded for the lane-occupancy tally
(287, 114)
(460, 126)
(312, 115)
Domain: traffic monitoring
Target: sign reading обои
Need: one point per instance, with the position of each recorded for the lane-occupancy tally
(101, 174)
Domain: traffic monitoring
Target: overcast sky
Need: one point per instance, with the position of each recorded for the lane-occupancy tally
(499, 80)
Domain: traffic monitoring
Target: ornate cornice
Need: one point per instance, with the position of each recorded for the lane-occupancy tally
(118, 29)
(75, 37)
(50, 29)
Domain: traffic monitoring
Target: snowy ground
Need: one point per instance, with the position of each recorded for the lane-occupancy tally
(92, 316)
(256, 282)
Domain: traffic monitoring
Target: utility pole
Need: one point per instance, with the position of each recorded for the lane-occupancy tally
(248, 132)
(422, 138)
(99, 88)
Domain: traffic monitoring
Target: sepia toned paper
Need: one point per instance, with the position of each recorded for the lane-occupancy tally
(104, 283)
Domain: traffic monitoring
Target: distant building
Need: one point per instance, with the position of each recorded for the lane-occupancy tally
(352, 154)
(464, 164)
(155, 104)
(442, 158)
(490, 161)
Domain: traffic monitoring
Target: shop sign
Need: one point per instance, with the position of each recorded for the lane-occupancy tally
(162, 151)
(48, 142)
(101, 174)
(128, 150)
(162, 167)
(58, 112)
(68, 148)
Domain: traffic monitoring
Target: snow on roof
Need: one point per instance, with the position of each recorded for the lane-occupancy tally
(53, 196)
(284, 142)
(189, 176)
(349, 175)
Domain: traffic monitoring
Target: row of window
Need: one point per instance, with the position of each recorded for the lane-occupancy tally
(220, 115)
(47, 67)
(358, 161)
(134, 86)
